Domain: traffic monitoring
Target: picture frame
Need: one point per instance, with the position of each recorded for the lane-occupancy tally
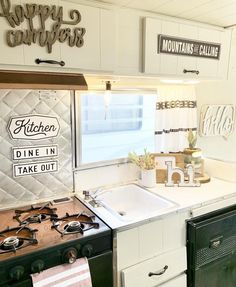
(177, 160)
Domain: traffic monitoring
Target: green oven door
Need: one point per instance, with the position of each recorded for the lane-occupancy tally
(211, 249)
(220, 273)
(101, 270)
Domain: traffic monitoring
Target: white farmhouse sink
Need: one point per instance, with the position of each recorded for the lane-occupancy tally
(131, 202)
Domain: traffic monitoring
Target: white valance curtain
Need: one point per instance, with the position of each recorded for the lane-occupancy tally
(176, 113)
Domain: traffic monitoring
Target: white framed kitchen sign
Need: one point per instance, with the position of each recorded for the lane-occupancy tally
(33, 127)
(217, 120)
(33, 168)
(33, 152)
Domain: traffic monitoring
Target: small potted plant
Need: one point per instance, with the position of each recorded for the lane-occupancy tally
(146, 163)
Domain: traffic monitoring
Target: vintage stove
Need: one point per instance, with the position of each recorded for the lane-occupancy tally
(39, 237)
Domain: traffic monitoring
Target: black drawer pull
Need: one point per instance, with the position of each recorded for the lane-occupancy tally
(191, 71)
(39, 61)
(162, 271)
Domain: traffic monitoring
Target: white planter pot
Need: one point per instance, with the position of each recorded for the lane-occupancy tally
(148, 177)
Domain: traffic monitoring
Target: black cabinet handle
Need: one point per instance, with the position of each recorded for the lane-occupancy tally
(158, 273)
(191, 71)
(39, 61)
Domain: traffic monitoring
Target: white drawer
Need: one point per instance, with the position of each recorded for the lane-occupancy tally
(180, 281)
(138, 275)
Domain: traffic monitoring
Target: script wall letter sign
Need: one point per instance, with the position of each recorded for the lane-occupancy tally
(217, 120)
(33, 127)
(27, 13)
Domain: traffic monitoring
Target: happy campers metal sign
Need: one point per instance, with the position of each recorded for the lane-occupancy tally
(188, 47)
(32, 13)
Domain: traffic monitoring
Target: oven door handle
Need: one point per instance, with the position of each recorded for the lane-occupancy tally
(216, 242)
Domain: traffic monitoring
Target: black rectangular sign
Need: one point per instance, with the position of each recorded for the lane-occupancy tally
(187, 47)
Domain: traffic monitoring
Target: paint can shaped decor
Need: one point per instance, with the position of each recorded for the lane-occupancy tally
(193, 155)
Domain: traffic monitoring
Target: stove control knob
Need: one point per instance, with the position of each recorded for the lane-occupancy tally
(37, 266)
(17, 272)
(70, 255)
(87, 250)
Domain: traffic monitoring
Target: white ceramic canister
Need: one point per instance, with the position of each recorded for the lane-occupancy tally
(148, 177)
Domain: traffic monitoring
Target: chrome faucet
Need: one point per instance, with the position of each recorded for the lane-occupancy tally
(88, 195)
(97, 192)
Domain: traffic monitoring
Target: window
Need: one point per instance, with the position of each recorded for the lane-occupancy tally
(122, 115)
(110, 133)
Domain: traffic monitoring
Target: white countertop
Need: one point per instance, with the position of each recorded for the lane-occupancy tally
(192, 197)
(208, 197)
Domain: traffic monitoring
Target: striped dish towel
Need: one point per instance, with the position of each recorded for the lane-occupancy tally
(66, 275)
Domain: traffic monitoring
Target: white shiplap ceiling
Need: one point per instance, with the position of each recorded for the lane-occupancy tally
(217, 12)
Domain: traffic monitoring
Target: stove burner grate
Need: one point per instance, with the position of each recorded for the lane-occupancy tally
(35, 214)
(73, 224)
(12, 239)
(11, 242)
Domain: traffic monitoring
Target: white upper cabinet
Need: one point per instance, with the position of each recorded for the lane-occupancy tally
(185, 62)
(112, 41)
(9, 55)
(128, 45)
(108, 39)
(169, 64)
(176, 64)
(34, 50)
(88, 56)
(85, 39)
(209, 67)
